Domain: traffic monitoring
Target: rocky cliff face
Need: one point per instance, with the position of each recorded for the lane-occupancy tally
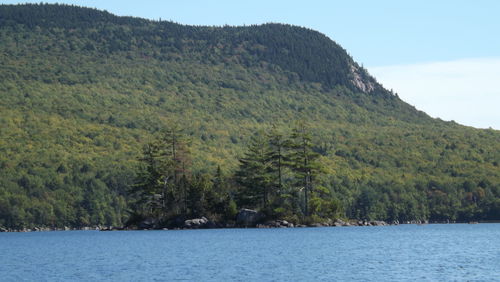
(365, 85)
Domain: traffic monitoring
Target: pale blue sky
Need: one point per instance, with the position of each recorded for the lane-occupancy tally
(392, 38)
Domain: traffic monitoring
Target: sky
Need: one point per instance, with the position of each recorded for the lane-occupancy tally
(443, 57)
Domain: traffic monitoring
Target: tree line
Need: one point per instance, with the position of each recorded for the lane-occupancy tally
(283, 174)
(279, 175)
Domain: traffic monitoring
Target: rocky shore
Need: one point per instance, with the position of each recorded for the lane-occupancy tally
(40, 229)
(245, 218)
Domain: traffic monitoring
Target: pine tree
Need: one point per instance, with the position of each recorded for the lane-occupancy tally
(177, 151)
(253, 174)
(277, 158)
(152, 180)
(218, 181)
(196, 194)
(162, 183)
(303, 160)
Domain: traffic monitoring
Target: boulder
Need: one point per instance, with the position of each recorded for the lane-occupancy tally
(339, 222)
(378, 223)
(285, 223)
(148, 223)
(248, 218)
(328, 222)
(202, 222)
(275, 224)
(2, 229)
(211, 224)
(269, 224)
(196, 223)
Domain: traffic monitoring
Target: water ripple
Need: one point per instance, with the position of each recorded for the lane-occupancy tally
(457, 252)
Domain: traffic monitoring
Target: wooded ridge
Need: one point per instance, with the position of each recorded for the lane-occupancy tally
(84, 94)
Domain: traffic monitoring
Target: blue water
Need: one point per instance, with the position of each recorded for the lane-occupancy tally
(390, 253)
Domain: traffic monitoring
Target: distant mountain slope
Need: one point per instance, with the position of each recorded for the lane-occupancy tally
(310, 54)
(82, 90)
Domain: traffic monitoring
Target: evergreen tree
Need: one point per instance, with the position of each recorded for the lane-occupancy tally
(277, 158)
(219, 182)
(303, 161)
(195, 199)
(253, 174)
(163, 180)
(150, 190)
(178, 151)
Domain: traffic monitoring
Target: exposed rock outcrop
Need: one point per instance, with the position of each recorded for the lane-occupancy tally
(275, 224)
(340, 222)
(197, 223)
(378, 223)
(248, 218)
(362, 84)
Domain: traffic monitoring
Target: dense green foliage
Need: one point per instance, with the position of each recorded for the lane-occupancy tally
(165, 187)
(278, 175)
(83, 91)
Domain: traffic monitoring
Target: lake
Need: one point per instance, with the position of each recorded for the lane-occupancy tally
(388, 253)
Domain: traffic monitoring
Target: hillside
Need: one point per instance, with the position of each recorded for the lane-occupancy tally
(82, 91)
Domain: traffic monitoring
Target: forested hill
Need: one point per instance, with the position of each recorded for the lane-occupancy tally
(311, 55)
(82, 91)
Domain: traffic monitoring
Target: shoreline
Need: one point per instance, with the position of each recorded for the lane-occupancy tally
(258, 226)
